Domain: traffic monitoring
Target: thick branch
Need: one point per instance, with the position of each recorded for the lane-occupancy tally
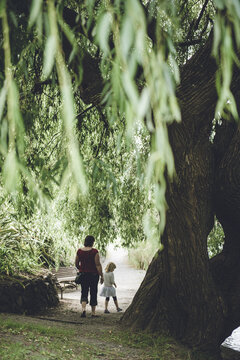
(189, 42)
(201, 15)
(195, 23)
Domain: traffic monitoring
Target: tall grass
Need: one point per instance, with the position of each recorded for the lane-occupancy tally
(27, 244)
(18, 250)
(141, 256)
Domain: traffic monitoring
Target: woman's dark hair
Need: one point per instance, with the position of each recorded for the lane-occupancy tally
(89, 240)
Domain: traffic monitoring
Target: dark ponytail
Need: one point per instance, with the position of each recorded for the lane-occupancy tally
(89, 240)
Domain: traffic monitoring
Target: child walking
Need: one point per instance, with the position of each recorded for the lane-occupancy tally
(108, 289)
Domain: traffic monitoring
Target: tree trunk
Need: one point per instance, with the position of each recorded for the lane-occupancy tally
(178, 295)
(225, 267)
(182, 294)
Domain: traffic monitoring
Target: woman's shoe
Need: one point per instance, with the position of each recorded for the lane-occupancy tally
(83, 314)
(119, 309)
(106, 312)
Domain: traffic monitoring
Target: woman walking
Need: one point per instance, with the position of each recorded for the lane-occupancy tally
(88, 262)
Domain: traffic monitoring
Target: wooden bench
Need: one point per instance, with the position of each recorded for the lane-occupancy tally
(65, 278)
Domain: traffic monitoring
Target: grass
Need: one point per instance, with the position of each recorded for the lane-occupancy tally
(160, 347)
(23, 338)
(20, 341)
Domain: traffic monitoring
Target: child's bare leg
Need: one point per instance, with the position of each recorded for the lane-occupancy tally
(106, 305)
(116, 303)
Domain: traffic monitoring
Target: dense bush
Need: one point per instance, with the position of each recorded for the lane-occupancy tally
(26, 244)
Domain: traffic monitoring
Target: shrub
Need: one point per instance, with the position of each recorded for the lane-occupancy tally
(141, 256)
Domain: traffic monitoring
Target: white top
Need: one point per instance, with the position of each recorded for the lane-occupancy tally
(108, 278)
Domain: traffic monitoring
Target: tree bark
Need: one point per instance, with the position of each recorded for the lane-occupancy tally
(225, 267)
(182, 294)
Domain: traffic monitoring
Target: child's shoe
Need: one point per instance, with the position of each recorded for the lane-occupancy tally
(83, 314)
(106, 312)
(119, 309)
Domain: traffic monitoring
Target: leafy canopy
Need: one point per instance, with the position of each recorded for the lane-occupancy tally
(87, 92)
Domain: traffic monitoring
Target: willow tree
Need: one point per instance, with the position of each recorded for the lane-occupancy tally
(171, 67)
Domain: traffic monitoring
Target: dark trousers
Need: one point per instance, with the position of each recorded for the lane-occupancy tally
(89, 283)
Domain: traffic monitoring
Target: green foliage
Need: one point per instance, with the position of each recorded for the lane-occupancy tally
(225, 53)
(71, 169)
(215, 239)
(18, 250)
(125, 24)
(28, 243)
